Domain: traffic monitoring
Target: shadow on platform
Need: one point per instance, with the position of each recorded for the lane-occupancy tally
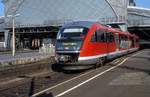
(46, 95)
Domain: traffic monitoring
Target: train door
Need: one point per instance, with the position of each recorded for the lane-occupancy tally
(111, 48)
(98, 44)
(117, 41)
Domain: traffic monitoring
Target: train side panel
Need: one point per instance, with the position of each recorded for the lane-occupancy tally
(92, 50)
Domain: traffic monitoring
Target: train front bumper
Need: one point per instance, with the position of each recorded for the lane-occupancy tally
(78, 65)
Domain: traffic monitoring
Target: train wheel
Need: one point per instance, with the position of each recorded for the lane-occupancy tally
(99, 63)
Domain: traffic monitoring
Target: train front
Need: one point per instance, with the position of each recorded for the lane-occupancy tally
(68, 46)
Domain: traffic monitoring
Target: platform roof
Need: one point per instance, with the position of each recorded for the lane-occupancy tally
(47, 12)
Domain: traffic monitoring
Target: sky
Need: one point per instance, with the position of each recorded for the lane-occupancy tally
(143, 3)
(140, 3)
(1, 8)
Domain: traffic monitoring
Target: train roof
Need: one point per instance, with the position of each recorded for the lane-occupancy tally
(86, 24)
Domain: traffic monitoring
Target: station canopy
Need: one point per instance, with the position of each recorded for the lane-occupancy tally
(56, 12)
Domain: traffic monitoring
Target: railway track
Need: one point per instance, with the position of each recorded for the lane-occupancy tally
(27, 79)
(27, 84)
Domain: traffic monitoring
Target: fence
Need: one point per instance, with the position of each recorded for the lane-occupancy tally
(2, 45)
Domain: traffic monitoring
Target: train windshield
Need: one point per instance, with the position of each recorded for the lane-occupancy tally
(70, 39)
(74, 33)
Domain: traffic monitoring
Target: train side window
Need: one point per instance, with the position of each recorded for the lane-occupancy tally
(132, 42)
(137, 41)
(123, 38)
(126, 38)
(110, 37)
(100, 36)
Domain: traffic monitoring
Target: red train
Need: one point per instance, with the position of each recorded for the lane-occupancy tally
(82, 45)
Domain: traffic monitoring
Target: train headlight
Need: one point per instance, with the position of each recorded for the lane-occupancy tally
(74, 48)
(64, 58)
(78, 48)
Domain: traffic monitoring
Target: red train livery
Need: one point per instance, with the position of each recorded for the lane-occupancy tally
(82, 45)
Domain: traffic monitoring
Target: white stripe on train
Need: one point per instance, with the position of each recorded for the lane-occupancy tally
(103, 55)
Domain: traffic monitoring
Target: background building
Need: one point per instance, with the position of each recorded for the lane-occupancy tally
(139, 24)
(39, 20)
(2, 34)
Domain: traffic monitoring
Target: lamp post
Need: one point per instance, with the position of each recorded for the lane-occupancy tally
(13, 37)
(13, 33)
(15, 6)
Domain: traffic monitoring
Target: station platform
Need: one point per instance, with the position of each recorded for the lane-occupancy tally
(6, 59)
(128, 78)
